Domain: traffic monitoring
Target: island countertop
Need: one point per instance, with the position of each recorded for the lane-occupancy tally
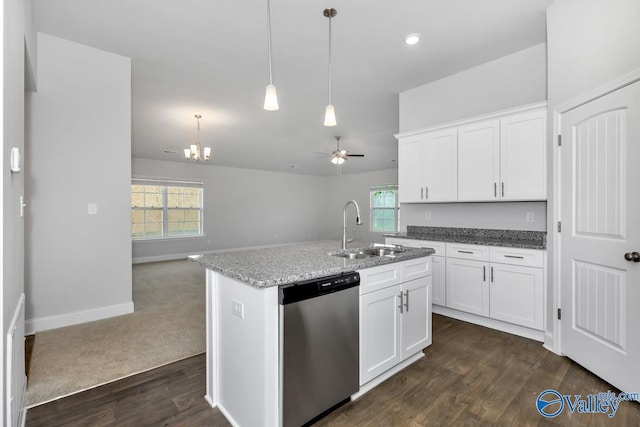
(275, 266)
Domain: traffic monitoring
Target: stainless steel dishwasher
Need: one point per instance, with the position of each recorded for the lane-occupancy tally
(319, 346)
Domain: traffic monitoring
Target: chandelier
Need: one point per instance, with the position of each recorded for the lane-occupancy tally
(195, 152)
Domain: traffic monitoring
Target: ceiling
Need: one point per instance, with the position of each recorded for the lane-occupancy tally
(210, 57)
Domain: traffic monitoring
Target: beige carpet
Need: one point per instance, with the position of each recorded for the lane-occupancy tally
(168, 325)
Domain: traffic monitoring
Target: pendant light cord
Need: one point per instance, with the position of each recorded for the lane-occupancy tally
(330, 17)
(269, 38)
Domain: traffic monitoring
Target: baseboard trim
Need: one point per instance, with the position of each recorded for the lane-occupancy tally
(522, 331)
(52, 322)
(228, 416)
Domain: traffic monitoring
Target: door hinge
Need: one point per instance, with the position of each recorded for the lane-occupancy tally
(559, 140)
(559, 314)
(559, 226)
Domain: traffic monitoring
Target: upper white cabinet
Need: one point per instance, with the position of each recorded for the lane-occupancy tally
(501, 157)
(479, 161)
(523, 156)
(428, 170)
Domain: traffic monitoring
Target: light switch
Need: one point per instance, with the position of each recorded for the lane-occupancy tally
(92, 209)
(530, 217)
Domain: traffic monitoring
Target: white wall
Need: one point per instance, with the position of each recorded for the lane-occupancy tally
(242, 207)
(14, 23)
(78, 265)
(343, 188)
(510, 81)
(590, 43)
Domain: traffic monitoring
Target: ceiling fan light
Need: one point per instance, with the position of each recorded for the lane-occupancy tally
(337, 160)
(271, 98)
(330, 116)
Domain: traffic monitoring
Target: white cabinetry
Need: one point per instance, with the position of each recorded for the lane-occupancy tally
(523, 156)
(516, 278)
(499, 283)
(427, 169)
(395, 320)
(438, 264)
(499, 157)
(479, 161)
(467, 281)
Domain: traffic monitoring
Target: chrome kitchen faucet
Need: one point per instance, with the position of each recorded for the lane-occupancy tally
(344, 222)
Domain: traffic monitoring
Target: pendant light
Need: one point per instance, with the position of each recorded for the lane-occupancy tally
(270, 96)
(194, 152)
(330, 113)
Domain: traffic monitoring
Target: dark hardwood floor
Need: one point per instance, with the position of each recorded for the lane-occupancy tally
(470, 376)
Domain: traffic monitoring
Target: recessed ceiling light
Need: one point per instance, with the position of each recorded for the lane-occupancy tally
(412, 38)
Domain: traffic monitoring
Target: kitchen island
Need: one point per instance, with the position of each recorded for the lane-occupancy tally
(244, 367)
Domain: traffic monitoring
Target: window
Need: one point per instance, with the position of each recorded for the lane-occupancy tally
(384, 208)
(161, 208)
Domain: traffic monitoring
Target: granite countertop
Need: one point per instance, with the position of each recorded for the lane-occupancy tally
(477, 236)
(281, 265)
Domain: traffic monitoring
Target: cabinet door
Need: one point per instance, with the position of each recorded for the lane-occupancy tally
(410, 176)
(380, 332)
(440, 161)
(438, 269)
(479, 161)
(467, 286)
(517, 295)
(523, 156)
(416, 316)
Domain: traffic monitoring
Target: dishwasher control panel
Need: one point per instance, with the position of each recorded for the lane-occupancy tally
(299, 291)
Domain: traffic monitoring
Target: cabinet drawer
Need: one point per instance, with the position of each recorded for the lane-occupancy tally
(380, 277)
(462, 251)
(517, 256)
(415, 268)
(438, 247)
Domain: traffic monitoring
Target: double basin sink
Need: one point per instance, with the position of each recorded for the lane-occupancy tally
(369, 253)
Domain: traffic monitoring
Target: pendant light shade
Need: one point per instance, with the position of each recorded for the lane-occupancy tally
(330, 116)
(270, 96)
(330, 112)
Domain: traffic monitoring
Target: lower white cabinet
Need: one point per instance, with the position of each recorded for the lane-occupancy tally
(517, 295)
(438, 264)
(501, 283)
(395, 322)
(467, 286)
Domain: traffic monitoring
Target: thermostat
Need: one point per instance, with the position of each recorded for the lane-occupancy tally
(15, 159)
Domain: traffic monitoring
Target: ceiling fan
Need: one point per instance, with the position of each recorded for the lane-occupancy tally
(339, 156)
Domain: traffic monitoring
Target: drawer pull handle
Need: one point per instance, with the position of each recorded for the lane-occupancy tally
(484, 273)
(400, 306)
(406, 302)
(514, 256)
(466, 252)
(491, 274)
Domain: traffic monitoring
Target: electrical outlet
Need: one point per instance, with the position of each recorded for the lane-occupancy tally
(427, 216)
(237, 308)
(92, 209)
(530, 217)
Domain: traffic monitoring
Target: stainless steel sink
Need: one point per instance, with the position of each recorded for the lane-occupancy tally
(368, 253)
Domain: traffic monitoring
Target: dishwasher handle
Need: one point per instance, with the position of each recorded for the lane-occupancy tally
(300, 291)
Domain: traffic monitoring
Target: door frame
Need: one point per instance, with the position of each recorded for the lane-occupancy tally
(554, 343)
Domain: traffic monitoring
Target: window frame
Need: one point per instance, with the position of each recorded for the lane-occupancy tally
(372, 209)
(165, 209)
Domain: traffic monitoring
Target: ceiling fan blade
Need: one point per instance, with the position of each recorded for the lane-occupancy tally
(354, 155)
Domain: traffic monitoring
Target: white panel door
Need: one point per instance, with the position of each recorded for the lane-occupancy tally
(380, 332)
(410, 170)
(416, 316)
(516, 295)
(479, 161)
(523, 156)
(467, 286)
(600, 209)
(440, 163)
